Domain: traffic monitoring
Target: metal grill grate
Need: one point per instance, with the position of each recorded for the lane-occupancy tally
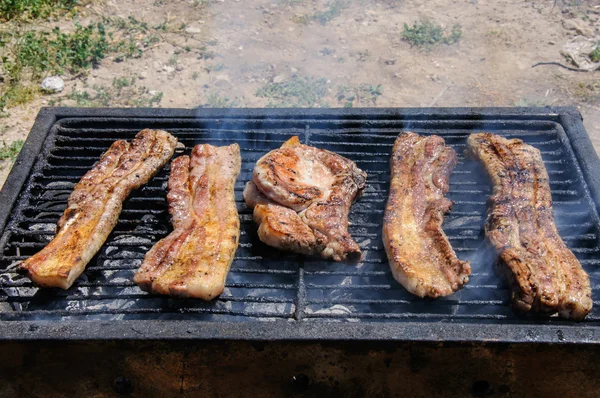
(265, 284)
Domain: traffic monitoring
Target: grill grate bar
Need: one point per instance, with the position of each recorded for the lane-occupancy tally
(136, 311)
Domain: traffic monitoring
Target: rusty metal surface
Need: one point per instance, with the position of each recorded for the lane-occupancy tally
(351, 369)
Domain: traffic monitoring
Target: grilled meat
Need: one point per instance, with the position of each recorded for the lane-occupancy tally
(95, 204)
(544, 274)
(301, 196)
(418, 251)
(193, 261)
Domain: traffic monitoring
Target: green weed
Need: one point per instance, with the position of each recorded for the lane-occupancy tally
(25, 10)
(588, 92)
(214, 100)
(122, 92)
(173, 60)
(205, 53)
(427, 34)
(297, 92)
(195, 75)
(17, 94)
(595, 54)
(11, 151)
(202, 3)
(55, 52)
(333, 9)
(28, 56)
(365, 94)
(129, 37)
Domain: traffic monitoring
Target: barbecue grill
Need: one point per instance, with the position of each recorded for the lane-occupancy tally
(278, 295)
(287, 323)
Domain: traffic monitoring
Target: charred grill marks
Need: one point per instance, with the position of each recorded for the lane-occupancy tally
(194, 260)
(418, 251)
(544, 275)
(301, 198)
(95, 204)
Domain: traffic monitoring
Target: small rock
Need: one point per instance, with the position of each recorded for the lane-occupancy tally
(168, 69)
(142, 76)
(152, 92)
(293, 70)
(179, 68)
(192, 30)
(278, 79)
(551, 43)
(53, 84)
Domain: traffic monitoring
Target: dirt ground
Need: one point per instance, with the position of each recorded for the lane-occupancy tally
(220, 52)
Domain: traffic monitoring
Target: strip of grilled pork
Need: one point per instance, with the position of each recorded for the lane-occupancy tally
(95, 204)
(418, 251)
(193, 261)
(301, 196)
(545, 275)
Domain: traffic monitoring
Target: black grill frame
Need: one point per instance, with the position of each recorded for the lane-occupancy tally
(535, 331)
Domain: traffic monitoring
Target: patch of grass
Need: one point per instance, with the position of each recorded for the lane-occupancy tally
(204, 53)
(195, 75)
(595, 54)
(173, 60)
(29, 56)
(202, 3)
(122, 92)
(11, 151)
(332, 10)
(589, 91)
(25, 10)
(55, 52)
(427, 34)
(164, 26)
(214, 100)
(297, 92)
(365, 94)
(129, 37)
(17, 94)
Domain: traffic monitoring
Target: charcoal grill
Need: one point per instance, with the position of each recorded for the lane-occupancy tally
(271, 295)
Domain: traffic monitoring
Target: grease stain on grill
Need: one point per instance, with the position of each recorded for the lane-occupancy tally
(265, 284)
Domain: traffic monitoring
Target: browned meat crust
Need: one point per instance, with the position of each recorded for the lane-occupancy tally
(545, 275)
(419, 252)
(304, 196)
(194, 260)
(95, 204)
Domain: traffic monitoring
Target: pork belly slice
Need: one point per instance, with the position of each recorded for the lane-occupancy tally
(94, 207)
(305, 197)
(194, 259)
(420, 255)
(545, 276)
